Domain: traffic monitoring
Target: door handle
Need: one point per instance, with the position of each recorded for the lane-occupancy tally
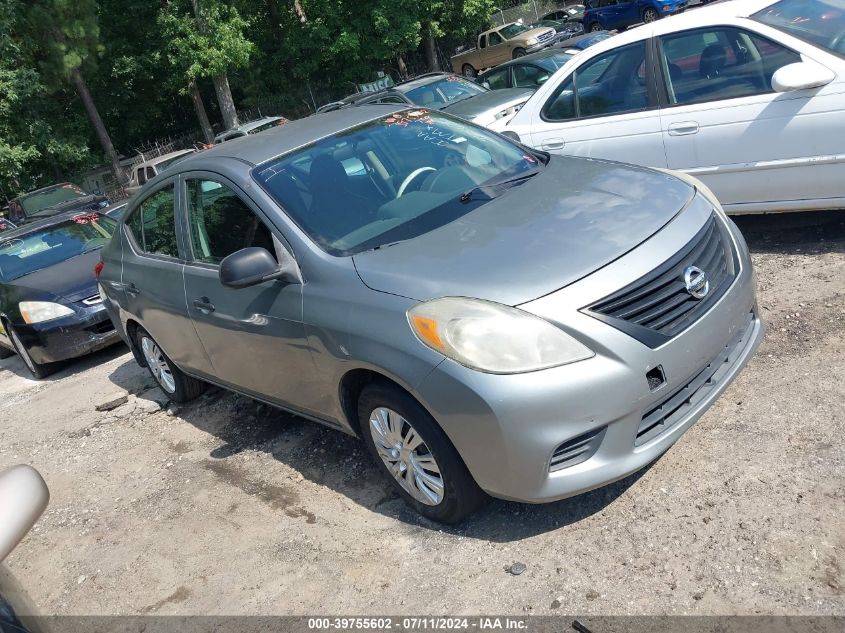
(132, 289)
(203, 304)
(553, 143)
(683, 129)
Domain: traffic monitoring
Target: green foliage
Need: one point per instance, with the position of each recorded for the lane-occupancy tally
(212, 43)
(138, 57)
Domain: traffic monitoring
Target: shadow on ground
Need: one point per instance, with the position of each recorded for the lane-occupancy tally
(67, 368)
(809, 232)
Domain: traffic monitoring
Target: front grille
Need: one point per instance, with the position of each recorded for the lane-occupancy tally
(658, 306)
(578, 449)
(545, 37)
(676, 406)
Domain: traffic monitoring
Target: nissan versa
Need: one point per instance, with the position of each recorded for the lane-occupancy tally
(488, 318)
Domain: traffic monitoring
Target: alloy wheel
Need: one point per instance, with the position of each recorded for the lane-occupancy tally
(406, 456)
(157, 362)
(650, 15)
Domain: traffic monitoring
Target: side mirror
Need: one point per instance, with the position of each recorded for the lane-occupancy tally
(542, 79)
(801, 76)
(486, 84)
(23, 497)
(252, 266)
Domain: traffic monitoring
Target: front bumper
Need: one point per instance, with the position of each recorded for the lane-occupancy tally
(507, 428)
(68, 337)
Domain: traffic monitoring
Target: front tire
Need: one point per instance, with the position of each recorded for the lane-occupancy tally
(178, 386)
(518, 52)
(415, 453)
(469, 71)
(594, 27)
(38, 370)
(650, 15)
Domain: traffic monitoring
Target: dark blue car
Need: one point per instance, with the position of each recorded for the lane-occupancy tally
(608, 15)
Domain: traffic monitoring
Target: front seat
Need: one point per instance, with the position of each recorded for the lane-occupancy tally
(335, 209)
(713, 60)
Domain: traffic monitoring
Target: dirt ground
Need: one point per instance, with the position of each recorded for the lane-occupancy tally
(229, 507)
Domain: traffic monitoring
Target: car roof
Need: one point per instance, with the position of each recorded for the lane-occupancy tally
(164, 157)
(251, 125)
(258, 148)
(707, 15)
(34, 226)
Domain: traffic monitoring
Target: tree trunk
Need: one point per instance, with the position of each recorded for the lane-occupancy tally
(199, 107)
(98, 125)
(224, 99)
(300, 12)
(273, 15)
(431, 54)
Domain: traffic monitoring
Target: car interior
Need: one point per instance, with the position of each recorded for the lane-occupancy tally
(720, 64)
(345, 192)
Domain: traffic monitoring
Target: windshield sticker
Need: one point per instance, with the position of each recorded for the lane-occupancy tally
(402, 119)
(85, 218)
(530, 159)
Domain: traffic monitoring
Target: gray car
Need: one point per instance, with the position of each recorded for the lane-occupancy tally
(487, 318)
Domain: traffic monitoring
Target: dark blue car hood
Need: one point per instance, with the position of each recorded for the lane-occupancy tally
(574, 217)
(70, 280)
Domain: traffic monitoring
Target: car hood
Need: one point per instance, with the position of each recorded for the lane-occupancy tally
(483, 103)
(71, 280)
(574, 217)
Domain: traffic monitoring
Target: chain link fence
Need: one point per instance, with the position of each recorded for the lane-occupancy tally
(528, 11)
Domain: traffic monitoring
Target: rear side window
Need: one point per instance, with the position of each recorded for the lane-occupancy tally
(221, 223)
(153, 224)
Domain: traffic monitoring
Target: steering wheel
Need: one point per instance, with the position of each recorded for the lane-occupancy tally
(410, 178)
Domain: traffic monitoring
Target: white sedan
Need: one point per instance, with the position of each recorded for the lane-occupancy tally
(747, 95)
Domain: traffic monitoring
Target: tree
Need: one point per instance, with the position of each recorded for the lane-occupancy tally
(207, 40)
(69, 35)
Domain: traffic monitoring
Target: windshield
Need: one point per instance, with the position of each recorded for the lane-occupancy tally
(447, 91)
(416, 167)
(40, 200)
(820, 22)
(53, 244)
(512, 30)
(553, 62)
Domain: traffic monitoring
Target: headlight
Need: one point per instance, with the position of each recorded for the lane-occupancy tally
(491, 337)
(531, 41)
(39, 311)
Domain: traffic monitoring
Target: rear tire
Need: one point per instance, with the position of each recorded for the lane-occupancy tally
(518, 52)
(38, 370)
(595, 26)
(469, 71)
(175, 383)
(441, 488)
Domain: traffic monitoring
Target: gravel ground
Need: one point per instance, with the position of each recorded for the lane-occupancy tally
(229, 507)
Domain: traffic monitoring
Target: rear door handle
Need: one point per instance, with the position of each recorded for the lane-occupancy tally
(683, 129)
(132, 289)
(203, 304)
(553, 143)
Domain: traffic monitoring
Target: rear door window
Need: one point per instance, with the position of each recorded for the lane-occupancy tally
(153, 224)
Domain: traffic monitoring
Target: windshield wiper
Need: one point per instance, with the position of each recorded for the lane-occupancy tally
(495, 189)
